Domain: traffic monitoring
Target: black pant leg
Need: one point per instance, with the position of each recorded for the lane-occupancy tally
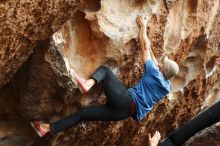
(117, 108)
(65, 123)
(96, 113)
(117, 94)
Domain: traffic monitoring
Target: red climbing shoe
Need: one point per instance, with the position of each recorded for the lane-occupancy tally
(81, 82)
(36, 125)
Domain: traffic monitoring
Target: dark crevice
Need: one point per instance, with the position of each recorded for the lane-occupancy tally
(201, 44)
(168, 4)
(210, 64)
(192, 5)
(90, 5)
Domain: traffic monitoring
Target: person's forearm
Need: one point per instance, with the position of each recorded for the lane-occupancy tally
(144, 44)
(143, 39)
(153, 57)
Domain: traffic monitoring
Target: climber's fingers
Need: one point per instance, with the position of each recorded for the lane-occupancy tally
(141, 21)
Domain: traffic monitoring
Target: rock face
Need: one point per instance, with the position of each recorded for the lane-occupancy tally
(23, 24)
(208, 136)
(102, 31)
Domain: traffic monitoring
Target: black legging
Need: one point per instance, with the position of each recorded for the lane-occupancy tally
(117, 108)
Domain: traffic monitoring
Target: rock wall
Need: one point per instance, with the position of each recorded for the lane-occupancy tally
(209, 136)
(103, 32)
(23, 24)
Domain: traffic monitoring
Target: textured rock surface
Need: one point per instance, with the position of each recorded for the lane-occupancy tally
(186, 30)
(23, 24)
(208, 136)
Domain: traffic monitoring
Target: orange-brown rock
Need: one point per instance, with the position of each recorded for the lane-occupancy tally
(208, 136)
(23, 24)
(185, 30)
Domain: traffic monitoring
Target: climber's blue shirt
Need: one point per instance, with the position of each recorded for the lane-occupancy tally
(149, 90)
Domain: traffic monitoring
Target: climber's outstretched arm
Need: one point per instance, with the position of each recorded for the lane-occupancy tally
(144, 40)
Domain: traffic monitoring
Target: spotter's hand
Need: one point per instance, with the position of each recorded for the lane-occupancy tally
(217, 61)
(153, 141)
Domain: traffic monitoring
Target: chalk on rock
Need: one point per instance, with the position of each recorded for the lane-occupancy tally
(58, 39)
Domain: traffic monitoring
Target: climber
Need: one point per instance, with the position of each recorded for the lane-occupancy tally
(122, 103)
(217, 61)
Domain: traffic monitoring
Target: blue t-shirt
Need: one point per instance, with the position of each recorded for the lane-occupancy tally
(149, 90)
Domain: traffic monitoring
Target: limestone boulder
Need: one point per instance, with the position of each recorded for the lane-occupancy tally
(208, 136)
(105, 32)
